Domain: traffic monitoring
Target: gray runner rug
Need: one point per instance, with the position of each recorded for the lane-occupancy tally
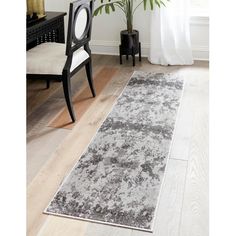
(118, 179)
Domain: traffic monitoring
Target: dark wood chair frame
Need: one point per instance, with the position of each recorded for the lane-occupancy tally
(73, 43)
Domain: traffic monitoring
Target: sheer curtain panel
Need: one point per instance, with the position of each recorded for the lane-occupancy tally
(170, 35)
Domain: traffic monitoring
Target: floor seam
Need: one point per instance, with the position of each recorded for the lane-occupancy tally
(178, 159)
(185, 181)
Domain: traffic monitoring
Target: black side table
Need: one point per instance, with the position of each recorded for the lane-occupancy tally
(49, 29)
(130, 45)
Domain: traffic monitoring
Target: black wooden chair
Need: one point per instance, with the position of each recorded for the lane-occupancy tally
(61, 61)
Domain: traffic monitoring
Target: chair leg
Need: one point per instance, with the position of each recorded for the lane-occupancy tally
(67, 93)
(88, 68)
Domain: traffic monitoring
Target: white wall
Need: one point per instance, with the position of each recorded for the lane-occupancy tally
(199, 30)
(106, 30)
(58, 5)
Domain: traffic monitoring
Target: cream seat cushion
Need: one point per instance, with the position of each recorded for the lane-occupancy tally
(50, 58)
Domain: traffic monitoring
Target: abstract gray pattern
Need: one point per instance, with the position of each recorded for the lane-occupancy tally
(118, 179)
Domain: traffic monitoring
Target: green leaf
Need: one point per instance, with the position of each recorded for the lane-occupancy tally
(120, 3)
(158, 2)
(107, 7)
(112, 7)
(98, 10)
(107, 10)
(145, 4)
(163, 3)
(151, 4)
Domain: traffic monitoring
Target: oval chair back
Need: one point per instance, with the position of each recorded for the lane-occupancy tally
(79, 28)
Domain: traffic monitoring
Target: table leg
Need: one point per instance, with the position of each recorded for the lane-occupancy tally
(140, 52)
(120, 56)
(133, 55)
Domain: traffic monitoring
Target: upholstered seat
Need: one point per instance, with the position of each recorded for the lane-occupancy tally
(50, 58)
(52, 61)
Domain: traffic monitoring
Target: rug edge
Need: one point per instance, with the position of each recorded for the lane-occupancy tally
(97, 221)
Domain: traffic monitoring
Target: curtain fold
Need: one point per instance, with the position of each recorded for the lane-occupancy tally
(170, 35)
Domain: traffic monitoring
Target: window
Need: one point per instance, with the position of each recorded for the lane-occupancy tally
(199, 7)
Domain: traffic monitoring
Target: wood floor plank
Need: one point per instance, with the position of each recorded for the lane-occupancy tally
(82, 100)
(59, 226)
(37, 94)
(187, 110)
(168, 213)
(40, 117)
(184, 124)
(194, 220)
(36, 155)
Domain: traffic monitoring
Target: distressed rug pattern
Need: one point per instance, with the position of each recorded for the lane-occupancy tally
(118, 178)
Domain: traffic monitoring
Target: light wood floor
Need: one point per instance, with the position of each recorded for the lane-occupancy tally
(52, 152)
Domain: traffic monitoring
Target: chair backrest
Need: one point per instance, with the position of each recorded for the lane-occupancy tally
(79, 25)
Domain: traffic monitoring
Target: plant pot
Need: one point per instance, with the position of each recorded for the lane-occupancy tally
(130, 45)
(129, 41)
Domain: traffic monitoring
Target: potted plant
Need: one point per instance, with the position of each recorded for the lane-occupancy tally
(129, 38)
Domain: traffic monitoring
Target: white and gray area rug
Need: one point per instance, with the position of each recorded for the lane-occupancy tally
(118, 178)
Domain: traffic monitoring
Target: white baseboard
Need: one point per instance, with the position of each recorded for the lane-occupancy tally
(112, 48)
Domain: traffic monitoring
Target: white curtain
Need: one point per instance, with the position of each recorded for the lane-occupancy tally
(170, 34)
